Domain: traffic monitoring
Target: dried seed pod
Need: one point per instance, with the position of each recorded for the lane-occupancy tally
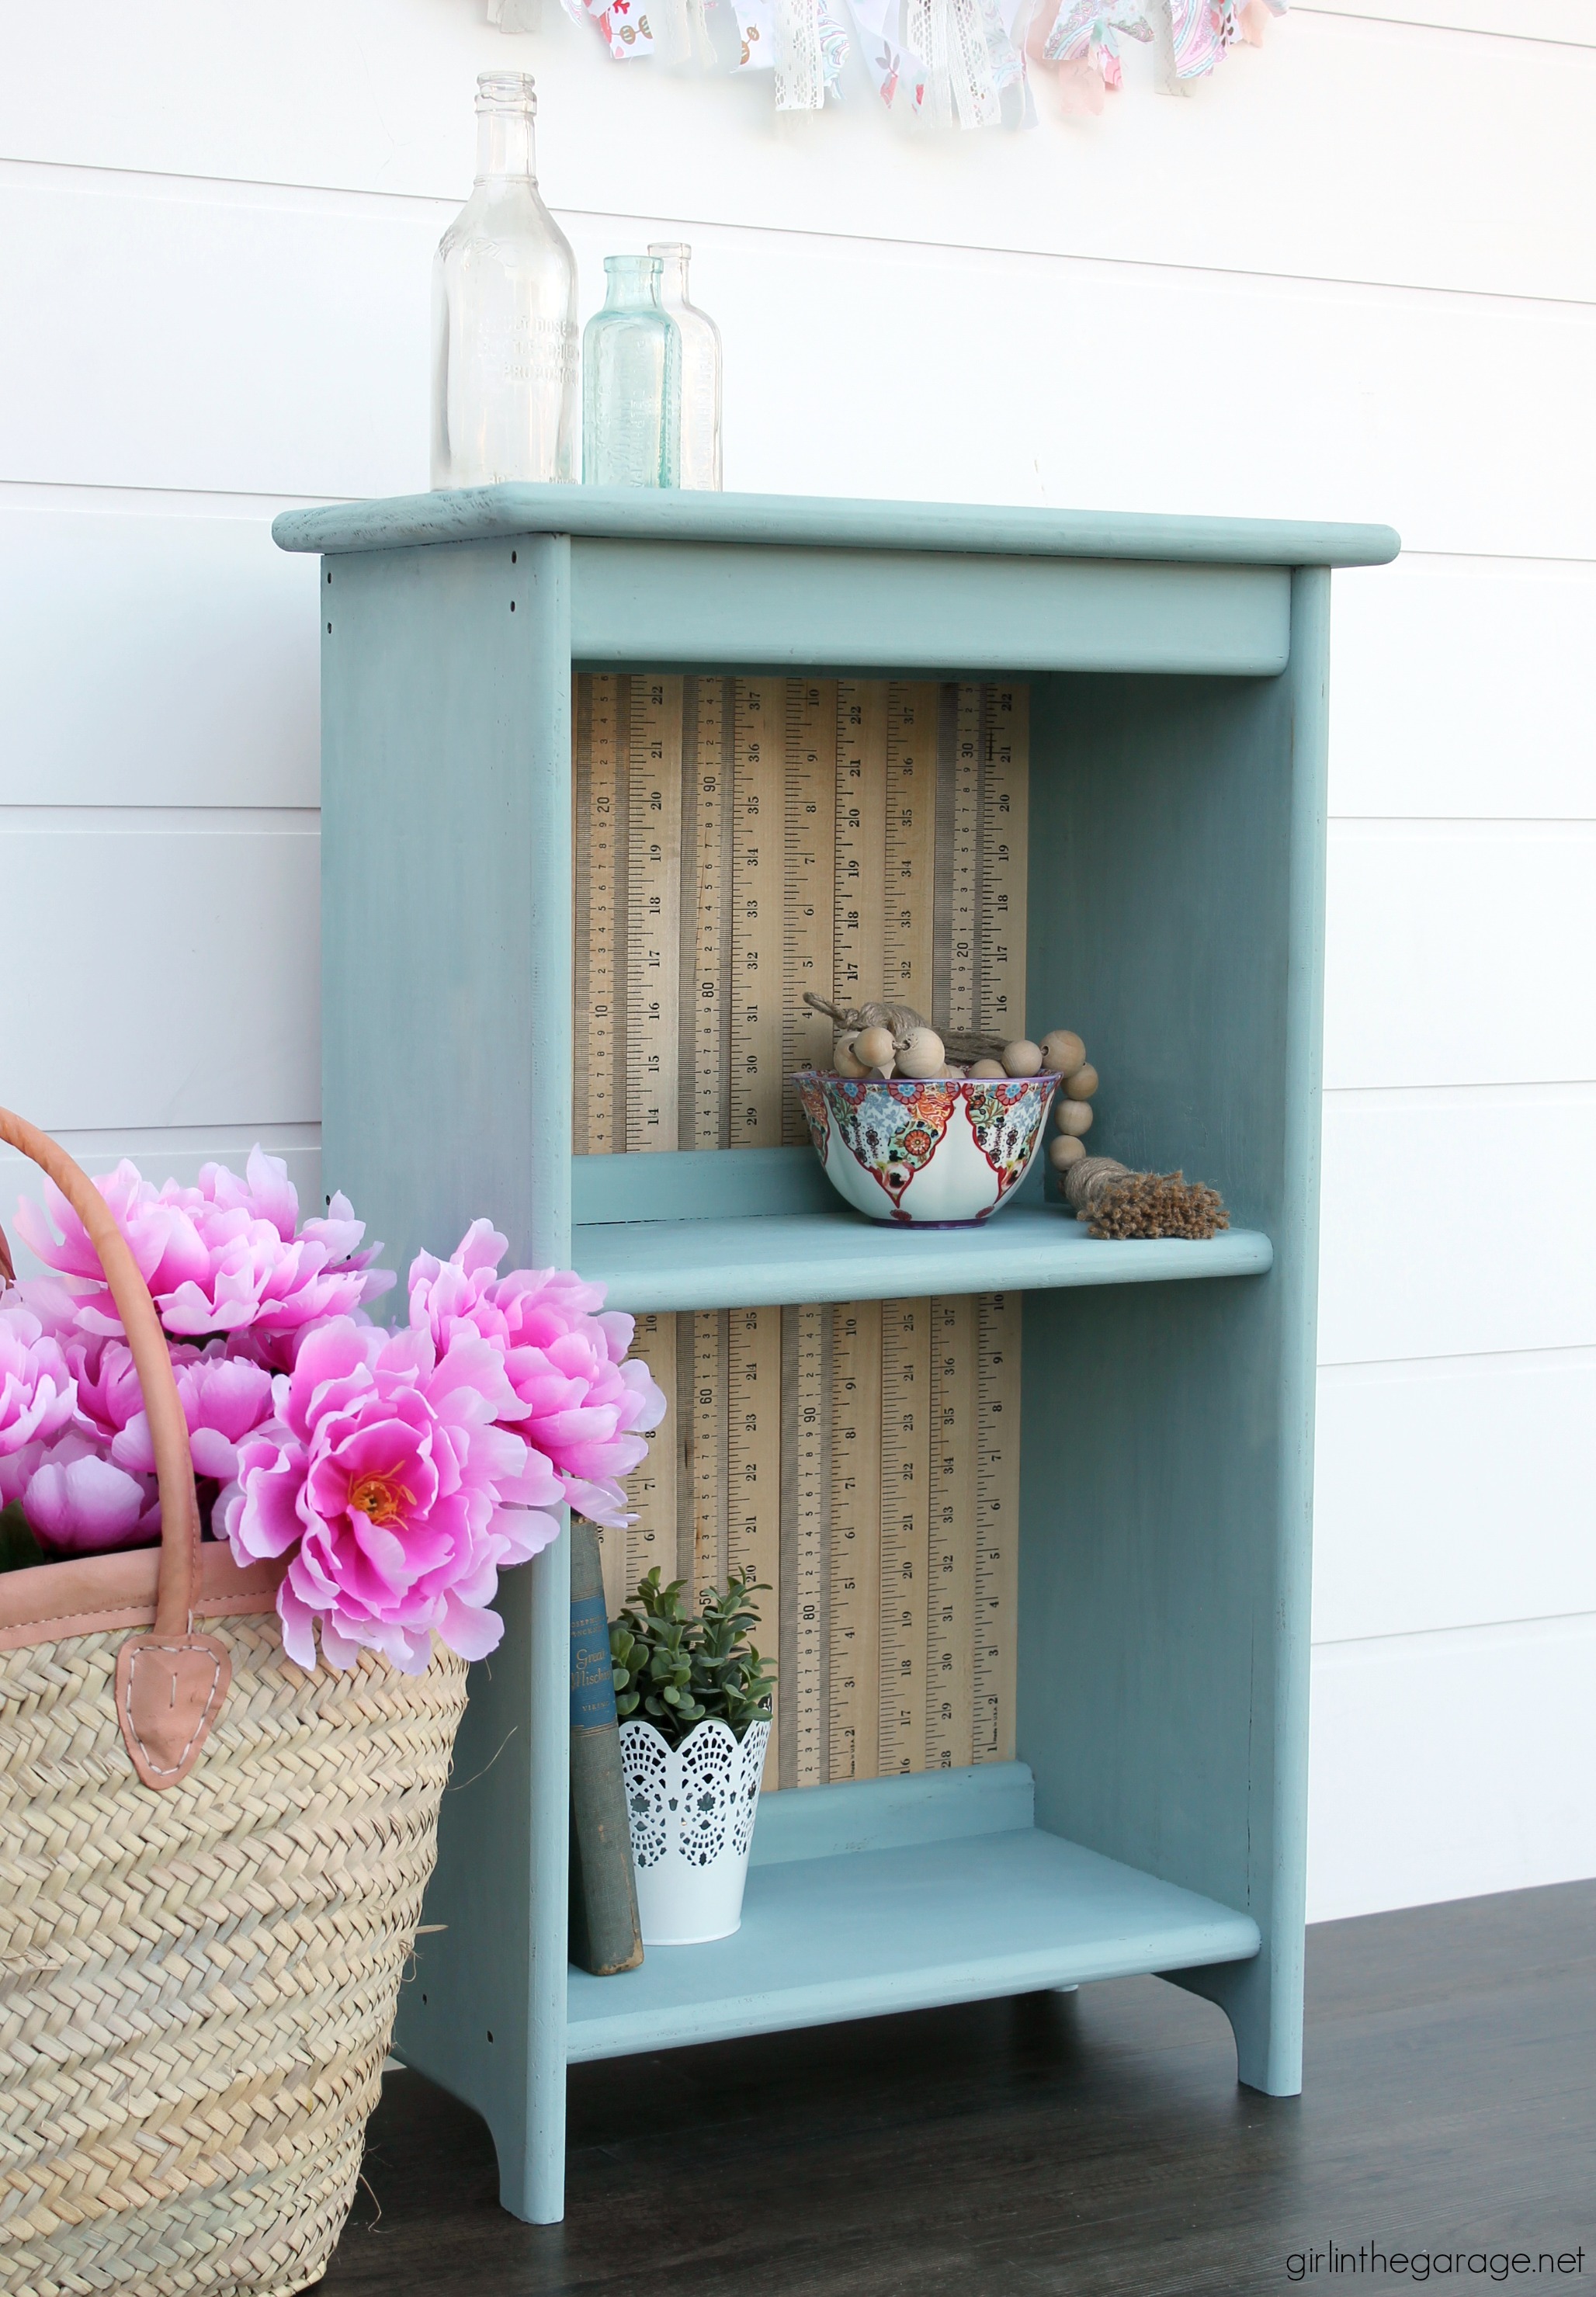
(988, 1069)
(845, 1059)
(920, 1054)
(1063, 1051)
(1082, 1084)
(1073, 1116)
(1064, 1150)
(1120, 1202)
(874, 1046)
(1023, 1058)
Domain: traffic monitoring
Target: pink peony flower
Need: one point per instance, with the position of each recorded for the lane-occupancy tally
(79, 1504)
(578, 1401)
(383, 1475)
(38, 1396)
(109, 1397)
(156, 1223)
(223, 1257)
(224, 1398)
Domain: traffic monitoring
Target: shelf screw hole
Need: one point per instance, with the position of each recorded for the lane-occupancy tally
(329, 574)
(329, 630)
(512, 606)
(511, 561)
(423, 2001)
(489, 2033)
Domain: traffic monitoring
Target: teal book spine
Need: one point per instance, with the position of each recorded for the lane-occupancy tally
(606, 1936)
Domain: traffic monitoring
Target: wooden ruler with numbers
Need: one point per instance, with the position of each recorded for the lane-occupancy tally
(997, 1526)
(859, 953)
(959, 858)
(707, 1340)
(805, 1655)
(854, 1735)
(600, 996)
(905, 1530)
(754, 1473)
(951, 1594)
(908, 921)
(809, 773)
(704, 1049)
(1005, 798)
(653, 911)
(755, 986)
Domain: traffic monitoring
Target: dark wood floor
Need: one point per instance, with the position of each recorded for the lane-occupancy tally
(1087, 2144)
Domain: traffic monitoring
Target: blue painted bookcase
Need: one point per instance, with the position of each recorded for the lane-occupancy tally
(1178, 667)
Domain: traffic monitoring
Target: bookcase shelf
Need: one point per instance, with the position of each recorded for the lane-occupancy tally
(1177, 673)
(798, 1256)
(867, 1899)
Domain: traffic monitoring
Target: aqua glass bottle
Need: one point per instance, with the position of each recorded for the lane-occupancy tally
(504, 313)
(699, 461)
(631, 381)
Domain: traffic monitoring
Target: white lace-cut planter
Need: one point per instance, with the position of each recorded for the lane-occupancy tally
(692, 1809)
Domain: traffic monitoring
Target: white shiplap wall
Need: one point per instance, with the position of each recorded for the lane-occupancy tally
(1352, 276)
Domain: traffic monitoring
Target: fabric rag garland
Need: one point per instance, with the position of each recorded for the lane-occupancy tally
(958, 62)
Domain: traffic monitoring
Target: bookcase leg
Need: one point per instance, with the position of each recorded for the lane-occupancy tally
(531, 2168)
(1264, 2002)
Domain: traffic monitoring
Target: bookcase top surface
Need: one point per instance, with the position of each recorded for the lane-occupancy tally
(820, 522)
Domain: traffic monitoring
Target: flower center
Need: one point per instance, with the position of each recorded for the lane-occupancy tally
(381, 1499)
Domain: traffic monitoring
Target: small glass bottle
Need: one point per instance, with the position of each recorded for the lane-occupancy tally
(504, 313)
(631, 381)
(699, 462)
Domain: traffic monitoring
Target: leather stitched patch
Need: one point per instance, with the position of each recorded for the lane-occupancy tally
(170, 1692)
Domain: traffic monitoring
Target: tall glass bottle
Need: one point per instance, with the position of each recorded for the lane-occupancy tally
(699, 456)
(631, 381)
(504, 313)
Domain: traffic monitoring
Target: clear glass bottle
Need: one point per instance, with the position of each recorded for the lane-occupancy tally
(631, 381)
(699, 461)
(504, 313)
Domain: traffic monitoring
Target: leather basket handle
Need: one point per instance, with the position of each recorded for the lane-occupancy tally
(170, 1683)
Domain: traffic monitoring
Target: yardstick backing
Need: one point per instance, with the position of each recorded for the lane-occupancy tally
(739, 842)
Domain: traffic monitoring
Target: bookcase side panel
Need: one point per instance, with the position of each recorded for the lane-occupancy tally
(1163, 1563)
(446, 892)
(1263, 1998)
(446, 1094)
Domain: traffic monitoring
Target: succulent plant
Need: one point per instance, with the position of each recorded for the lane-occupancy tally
(673, 1667)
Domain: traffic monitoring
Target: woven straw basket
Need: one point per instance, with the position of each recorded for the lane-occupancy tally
(211, 1867)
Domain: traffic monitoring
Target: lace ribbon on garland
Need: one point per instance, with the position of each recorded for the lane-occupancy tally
(803, 41)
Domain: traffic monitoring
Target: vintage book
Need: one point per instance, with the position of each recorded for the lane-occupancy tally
(606, 1936)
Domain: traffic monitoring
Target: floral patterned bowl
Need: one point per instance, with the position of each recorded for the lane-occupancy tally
(942, 1154)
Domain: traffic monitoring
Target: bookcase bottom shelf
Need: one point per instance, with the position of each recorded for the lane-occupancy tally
(862, 1931)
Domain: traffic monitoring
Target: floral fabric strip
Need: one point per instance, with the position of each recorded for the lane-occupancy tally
(624, 24)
